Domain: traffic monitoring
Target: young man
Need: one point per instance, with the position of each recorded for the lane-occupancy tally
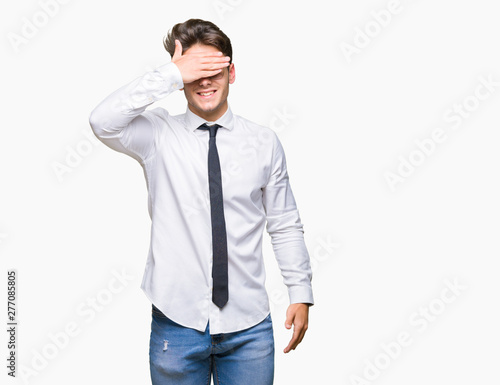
(214, 179)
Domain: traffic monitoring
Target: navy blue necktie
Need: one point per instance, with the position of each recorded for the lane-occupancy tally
(219, 238)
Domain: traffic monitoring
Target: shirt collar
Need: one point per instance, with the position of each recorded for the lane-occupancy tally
(194, 121)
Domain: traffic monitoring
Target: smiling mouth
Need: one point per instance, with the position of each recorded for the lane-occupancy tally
(207, 94)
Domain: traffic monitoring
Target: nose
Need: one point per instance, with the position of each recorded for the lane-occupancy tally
(205, 81)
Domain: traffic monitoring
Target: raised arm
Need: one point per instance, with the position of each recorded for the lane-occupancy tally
(121, 121)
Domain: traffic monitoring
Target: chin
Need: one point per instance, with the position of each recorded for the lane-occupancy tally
(208, 107)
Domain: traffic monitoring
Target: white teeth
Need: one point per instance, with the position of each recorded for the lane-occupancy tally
(206, 93)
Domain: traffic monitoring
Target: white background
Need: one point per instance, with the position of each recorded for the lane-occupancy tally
(381, 255)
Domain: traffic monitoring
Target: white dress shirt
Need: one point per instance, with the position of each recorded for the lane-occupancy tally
(173, 154)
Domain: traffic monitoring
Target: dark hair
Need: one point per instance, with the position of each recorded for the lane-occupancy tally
(200, 31)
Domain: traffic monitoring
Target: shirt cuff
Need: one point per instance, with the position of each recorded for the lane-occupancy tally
(301, 294)
(171, 73)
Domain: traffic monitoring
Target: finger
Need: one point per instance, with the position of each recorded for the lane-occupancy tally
(178, 50)
(298, 335)
(214, 63)
(289, 320)
(288, 324)
(215, 67)
(301, 337)
(212, 54)
(207, 74)
(214, 57)
(204, 74)
(293, 342)
(208, 55)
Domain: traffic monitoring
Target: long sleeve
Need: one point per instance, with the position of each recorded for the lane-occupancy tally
(286, 230)
(121, 121)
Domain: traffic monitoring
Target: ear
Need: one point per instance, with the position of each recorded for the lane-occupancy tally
(232, 73)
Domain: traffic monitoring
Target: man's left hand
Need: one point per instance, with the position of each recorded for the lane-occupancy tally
(298, 315)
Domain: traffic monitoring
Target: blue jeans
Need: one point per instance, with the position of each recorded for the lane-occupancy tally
(184, 356)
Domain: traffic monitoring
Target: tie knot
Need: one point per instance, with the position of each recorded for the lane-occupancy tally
(213, 128)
